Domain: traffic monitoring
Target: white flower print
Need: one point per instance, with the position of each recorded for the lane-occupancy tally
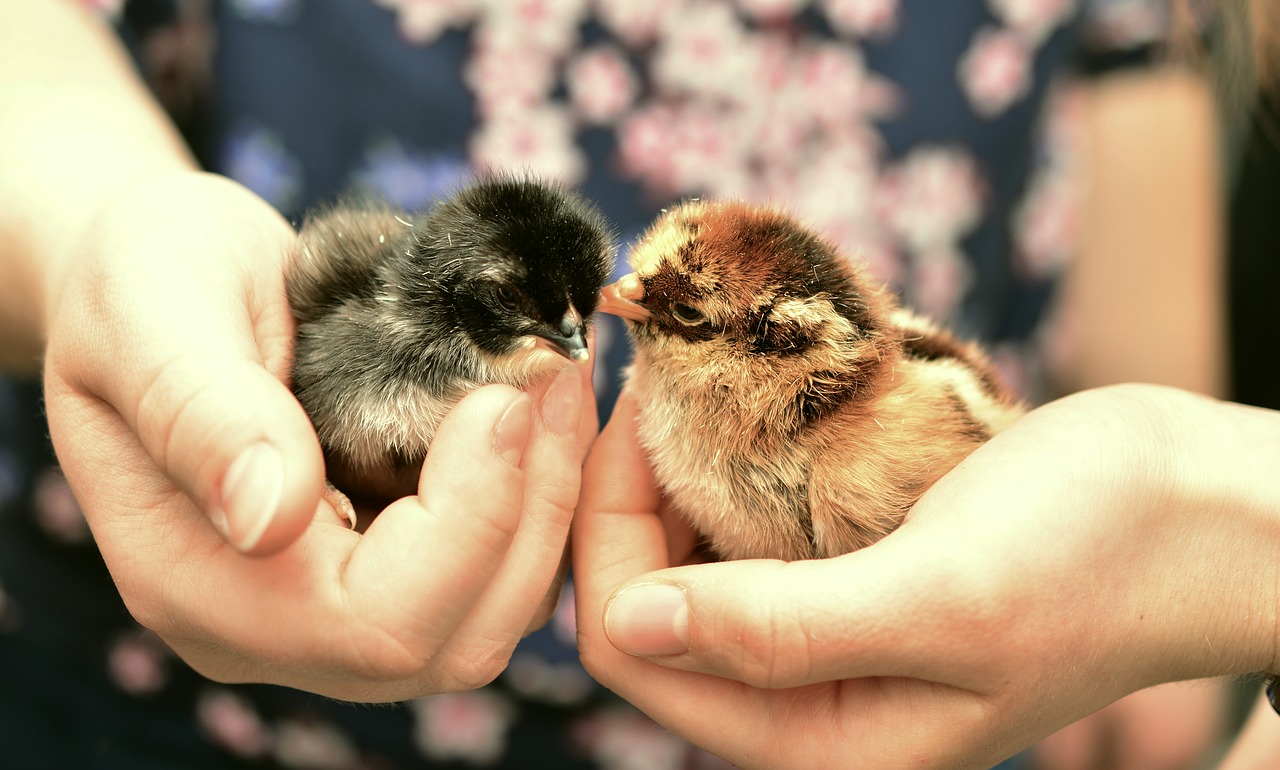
(995, 71)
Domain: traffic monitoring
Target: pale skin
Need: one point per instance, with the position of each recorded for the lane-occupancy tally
(1107, 542)
(101, 200)
(156, 296)
(1142, 302)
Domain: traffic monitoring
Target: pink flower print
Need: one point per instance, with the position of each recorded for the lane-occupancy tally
(704, 146)
(995, 71)
(549, 27)
(57, 511)
(314, 745)
(601, 84)
(1123, 24)
(624, 739)
(564, 620)
(1047, 226)
(1033, 19)
(137, 663)
(469, 726)
(534, 677)
(230, 721)
(864, 18)
(110, 9)
(1014, 364)
(940, 278)
(10, 613)
(506, 76)
(423, 21)
(635, 23)
(837, 89)
(537, 141)
(703, 51)
(932, 198)
(644, 141)
(772, 10)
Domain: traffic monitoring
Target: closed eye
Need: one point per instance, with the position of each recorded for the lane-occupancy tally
(687, 314)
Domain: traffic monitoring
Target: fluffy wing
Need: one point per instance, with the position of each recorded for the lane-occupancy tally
(338, 252)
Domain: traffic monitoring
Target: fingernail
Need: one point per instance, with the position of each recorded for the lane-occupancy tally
(251, 493)
(649, 619)
(511, 434)
(562, 403)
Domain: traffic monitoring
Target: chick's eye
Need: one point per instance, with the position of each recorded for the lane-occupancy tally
(687, 314)
(506, 297)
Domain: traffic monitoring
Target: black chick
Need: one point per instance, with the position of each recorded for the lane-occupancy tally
(400, 315)
(790, 407)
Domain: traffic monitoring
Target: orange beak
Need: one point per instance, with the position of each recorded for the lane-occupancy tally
(622, 298)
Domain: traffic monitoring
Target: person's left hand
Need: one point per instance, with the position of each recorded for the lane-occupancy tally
(200, 474)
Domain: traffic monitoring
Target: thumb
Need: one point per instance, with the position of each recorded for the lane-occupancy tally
(773, 624)
(237, 442)
(175, 316)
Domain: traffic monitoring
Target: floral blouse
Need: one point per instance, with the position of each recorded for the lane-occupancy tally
(929, 138)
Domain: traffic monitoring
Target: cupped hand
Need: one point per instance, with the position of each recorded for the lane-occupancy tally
(1107, 542)
(200, 475)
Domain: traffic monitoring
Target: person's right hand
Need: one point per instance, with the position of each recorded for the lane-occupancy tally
(200, 475)
(1104, 543)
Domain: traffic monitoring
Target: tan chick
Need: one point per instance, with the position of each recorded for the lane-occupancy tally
(791, 409)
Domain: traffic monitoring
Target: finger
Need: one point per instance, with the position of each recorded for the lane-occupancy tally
(619, 539)
(882, 611)
(204, 393)
(552, 470)
(589, 420)
(425, 560)
(617, 534)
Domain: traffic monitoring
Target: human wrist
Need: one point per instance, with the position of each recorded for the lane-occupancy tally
(1220, 464)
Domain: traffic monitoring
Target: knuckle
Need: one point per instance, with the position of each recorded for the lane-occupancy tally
(773, 645)
(476, 668)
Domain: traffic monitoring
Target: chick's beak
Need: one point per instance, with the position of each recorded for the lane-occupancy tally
(622, 298)
(569, 338)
